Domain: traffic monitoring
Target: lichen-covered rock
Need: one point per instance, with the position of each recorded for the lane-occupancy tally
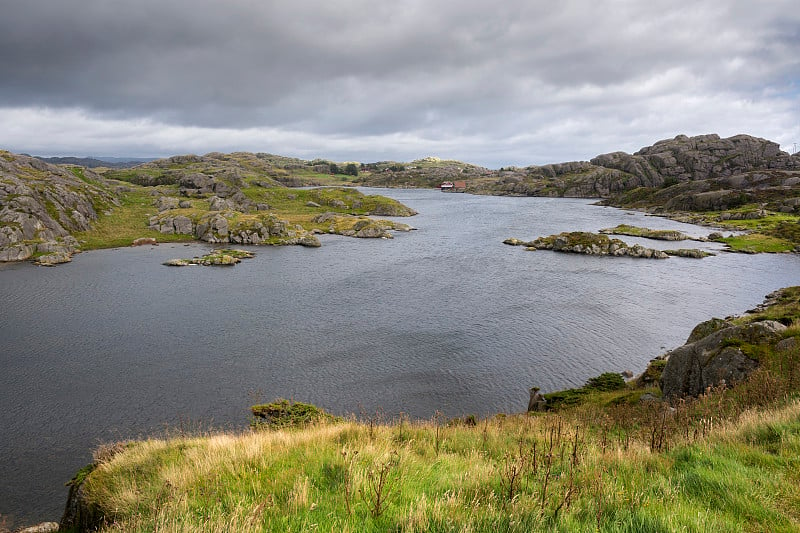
(715, 357)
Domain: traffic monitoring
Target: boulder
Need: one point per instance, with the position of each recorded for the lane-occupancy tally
(715, 357)
(167, 202)
(182, 225)
(54, 258)
(215, 203)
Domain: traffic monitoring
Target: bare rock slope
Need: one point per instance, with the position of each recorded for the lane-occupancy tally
(42, 204)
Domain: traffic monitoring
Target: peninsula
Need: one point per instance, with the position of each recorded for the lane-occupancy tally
(48, 212)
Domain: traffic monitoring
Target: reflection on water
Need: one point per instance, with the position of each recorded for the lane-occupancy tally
(114, 345)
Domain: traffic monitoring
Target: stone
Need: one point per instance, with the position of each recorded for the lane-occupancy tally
(537, 401)
(711, 358)
(788, 344)
(309, 241)
(215, 203)
(185, 204)
(312, 204)
(54, 258)
(165, 203)
(17, 252)
(693, 253)
(144, 240)
(44, 527)
(183, 225)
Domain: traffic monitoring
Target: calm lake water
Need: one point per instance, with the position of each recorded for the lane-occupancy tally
(114, 345)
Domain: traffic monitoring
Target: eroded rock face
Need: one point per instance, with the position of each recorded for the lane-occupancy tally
(698, 158)
(715, 353)
(42, 204)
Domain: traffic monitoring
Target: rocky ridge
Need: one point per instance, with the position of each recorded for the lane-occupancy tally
(41, 205)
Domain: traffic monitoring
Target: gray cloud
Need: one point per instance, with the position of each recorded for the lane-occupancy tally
(518, 82)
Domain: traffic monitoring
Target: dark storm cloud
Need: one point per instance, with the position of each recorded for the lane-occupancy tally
(510, 72)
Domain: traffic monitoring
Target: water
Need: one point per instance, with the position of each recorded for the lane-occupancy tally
(114, 345)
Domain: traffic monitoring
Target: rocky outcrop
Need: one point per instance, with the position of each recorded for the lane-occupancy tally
(717, 352)
(693, 253)
(580, 242)
(699, 158)
(359, 226)
(713, 171)
(42, 204)
(222, 227)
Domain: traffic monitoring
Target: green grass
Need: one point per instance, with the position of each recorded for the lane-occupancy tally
(635, 231)
(502, 473)
(125, 223)
(758, 243)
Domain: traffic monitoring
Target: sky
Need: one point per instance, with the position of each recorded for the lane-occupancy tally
(515, 82)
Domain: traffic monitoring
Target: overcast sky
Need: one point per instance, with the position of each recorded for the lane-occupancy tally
(492, 83)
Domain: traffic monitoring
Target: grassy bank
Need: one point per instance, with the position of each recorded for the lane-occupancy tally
(120, 225)
(557, 472)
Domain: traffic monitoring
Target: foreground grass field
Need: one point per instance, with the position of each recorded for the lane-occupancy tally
(518, 473)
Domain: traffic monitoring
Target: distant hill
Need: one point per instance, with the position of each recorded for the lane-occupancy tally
(94, 162)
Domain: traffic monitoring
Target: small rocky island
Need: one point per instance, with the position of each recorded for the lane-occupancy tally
(583, 242)
(223, 257)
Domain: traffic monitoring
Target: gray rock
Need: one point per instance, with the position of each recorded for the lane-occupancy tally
(215, 203)
(17, 252)
(704, 363)
(44, 527)
(309, 241)
(183, 225)
(54, 258)
(788, 344)
(693, 253)
(185, 204)
(312, 204)
(167, 202)
(537, 401)
(196, 184)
